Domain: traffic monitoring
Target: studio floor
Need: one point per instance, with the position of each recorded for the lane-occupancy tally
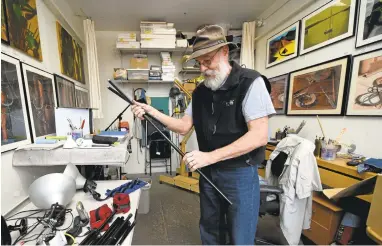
(174, 218)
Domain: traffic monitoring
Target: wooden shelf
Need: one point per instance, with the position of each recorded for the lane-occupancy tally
(190, 71)
(144, 81)
(179, 50)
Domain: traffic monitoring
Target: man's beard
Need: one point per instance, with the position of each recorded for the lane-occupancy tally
(220, 76)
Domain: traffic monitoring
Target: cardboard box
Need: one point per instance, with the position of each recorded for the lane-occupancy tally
(190, 87)
(139, 63)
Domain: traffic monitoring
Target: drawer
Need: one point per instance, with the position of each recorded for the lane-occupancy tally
(318, 234)
(322, 215)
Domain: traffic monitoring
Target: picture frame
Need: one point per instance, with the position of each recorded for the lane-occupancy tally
(279, 93)
(65, 91)
(40, 95)
(23, 27)
(319, 89)
(82, 97)
(283, 46)
(365, 89)
(318, 30)
(4, 24)
(369, 28)
(14, 117)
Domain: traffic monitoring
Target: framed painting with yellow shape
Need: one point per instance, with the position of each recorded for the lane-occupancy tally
(71, 55)
(283, 46)
(329, 24)
(23, 27)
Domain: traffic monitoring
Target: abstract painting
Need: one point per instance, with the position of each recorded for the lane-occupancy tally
(329, 24)
(23, 27)
(14, 118)
(369, 22)
(65, 92)
(279, 86)
(4, 24)
(365, 93)
(82, 97)
(319, 89)
(71, 56)
(41, 100)
(283, 46)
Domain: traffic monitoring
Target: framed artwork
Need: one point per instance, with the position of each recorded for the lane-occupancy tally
(14, 117)
(4, 24)
(279, 92)
(23, 27)
(365, 92)
(40, 95)
(329, 24)
(283, 46)
(71, 56)
(319, 89)
(82, 97)
(369, 22)
(65, 92)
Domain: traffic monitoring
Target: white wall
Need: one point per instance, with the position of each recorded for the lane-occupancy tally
(108, 59)
(362, 131)
(15, 181)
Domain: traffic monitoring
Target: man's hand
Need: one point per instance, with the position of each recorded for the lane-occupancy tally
(139, 109)
(197, 159)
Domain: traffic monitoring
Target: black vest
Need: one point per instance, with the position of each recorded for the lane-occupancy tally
(218, 117)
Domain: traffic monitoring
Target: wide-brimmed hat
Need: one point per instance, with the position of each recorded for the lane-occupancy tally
(209, 39)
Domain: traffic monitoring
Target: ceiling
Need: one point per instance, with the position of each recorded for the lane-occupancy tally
(125, 15)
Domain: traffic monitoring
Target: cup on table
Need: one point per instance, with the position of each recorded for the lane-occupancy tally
(77, 133)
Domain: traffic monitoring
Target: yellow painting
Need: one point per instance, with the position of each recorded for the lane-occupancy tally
(23, 27)
(330, 23)
(71, 56)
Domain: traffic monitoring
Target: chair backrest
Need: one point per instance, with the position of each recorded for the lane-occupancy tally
(278, 164)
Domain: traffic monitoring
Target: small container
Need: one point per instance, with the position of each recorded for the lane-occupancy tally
(328, 154)
(77, 133)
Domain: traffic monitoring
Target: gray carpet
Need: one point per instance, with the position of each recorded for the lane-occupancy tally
(174, 218)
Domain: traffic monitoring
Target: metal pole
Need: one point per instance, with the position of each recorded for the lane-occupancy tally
(147, 116)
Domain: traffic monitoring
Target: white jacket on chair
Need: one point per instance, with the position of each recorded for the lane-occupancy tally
(298, 180)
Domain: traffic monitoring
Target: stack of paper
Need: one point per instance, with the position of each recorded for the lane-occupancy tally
(168, 67)
(157, 35)
(128, 40)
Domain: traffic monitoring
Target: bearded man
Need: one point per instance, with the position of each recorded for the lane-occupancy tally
(229, 111)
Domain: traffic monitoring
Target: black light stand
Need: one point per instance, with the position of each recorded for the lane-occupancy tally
(119, 118)
(149, 118)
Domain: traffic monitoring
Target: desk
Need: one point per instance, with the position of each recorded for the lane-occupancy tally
(113, 156)
(91, 204)
(334, 174)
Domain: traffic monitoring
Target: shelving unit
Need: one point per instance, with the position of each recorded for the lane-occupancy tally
(179, 50)
(189, 71)
(144, 81)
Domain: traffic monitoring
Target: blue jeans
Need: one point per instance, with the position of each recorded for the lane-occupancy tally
(221, 223)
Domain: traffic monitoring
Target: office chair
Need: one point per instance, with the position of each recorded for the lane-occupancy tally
(270, 199)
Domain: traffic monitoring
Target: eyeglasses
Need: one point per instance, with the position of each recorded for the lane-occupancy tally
(207, 63)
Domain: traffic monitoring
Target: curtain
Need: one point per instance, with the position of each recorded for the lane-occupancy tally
(247, 55)
(93, 74)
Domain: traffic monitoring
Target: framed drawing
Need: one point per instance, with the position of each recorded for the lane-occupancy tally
(23, 27)
(279, 92)
(369, 22)
(71, 56)
(319, 89)
(365, 92)
(4, 24)
(82, 97)
(40, 95)
(329, 24)
(65, 92)
(14, 117)
(283, 46)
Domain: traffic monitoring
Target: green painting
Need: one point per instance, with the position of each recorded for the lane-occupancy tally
(23, 26)
(71, 56)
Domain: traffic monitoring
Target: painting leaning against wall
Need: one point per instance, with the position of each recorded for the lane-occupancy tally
(23, 26)
(71, 56)
(4, 24)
